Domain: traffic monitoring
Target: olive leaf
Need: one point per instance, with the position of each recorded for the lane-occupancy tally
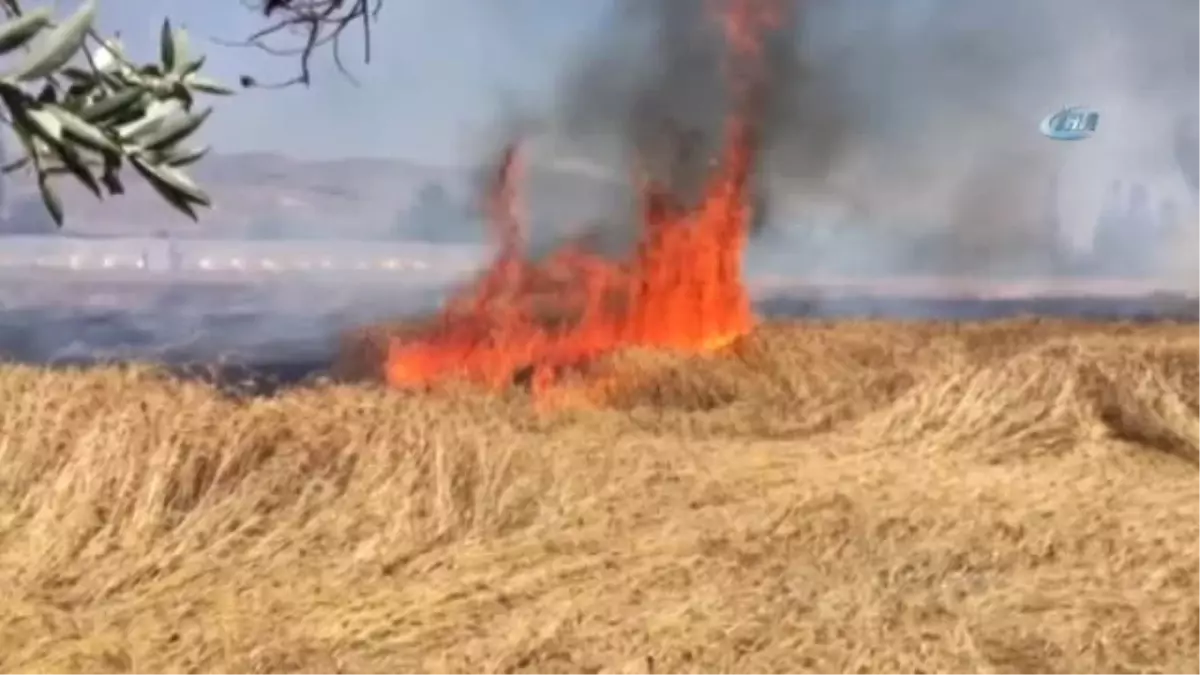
(16, 33)
(82, 132)
(166, 46)
(111, 175)
(165, 186)
(192, 67)
(174, 130)
(158, 111)
(175, 180)
(108, 56)
(79, 76)
(90, 119)
(174, 49)
(15, 165)
(111, 105)
(45, 123)
(60, 44)
(51, 199)
(179, 157)
(207, 86)
(74, 163)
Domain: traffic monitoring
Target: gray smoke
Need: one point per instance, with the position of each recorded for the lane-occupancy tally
(954, 98)
(903, 134)
(654, 90)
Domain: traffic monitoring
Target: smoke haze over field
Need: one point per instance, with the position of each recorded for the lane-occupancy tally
(901, 136)
(911, 118)
(890, 116)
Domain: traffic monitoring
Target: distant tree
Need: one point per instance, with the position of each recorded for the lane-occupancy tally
(1187, 152)
(1126, 233)
(433, 216)
(268, 228)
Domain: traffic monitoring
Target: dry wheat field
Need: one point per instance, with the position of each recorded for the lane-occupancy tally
(840, 497)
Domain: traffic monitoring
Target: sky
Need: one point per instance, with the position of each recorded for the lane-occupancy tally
(439, 72)
(935, 88)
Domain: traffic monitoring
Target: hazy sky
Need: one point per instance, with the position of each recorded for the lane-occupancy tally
(439, 70)
(443, 69)
(938, 100)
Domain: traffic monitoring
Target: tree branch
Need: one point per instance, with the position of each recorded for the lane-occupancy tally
(316, 23)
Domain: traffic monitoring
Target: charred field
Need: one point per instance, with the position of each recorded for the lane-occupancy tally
(254, 339)
(828, 494)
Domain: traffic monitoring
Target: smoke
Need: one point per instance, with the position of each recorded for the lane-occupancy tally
(656, 80)
(655, 88)
(949, 146)
(903, 135)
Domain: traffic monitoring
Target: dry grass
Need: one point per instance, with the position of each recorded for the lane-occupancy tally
(1018, 496)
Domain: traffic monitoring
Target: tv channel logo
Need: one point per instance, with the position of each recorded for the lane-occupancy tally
(1072, 123)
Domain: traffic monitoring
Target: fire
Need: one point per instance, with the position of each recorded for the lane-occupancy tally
(682, 289)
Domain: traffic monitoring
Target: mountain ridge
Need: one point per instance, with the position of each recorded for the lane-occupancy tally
(353, 197)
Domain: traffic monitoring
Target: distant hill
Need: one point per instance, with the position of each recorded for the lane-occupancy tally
(346, 198)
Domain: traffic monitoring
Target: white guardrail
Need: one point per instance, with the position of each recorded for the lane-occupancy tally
(235, 264)
(61, 253)
(214, 264)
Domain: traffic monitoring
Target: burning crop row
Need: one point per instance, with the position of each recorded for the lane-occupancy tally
(681, 288)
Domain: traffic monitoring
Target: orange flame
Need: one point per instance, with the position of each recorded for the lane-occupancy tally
(682, 290)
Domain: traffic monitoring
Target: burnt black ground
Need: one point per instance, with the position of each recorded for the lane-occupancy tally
(254, 345)
(1158, 307)
(249, 337)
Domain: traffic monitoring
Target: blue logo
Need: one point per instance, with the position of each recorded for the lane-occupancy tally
(1073, 123)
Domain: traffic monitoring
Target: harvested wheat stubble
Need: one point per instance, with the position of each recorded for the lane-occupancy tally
(1013, 496)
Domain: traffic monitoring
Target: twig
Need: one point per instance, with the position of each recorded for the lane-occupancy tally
(319, 22)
